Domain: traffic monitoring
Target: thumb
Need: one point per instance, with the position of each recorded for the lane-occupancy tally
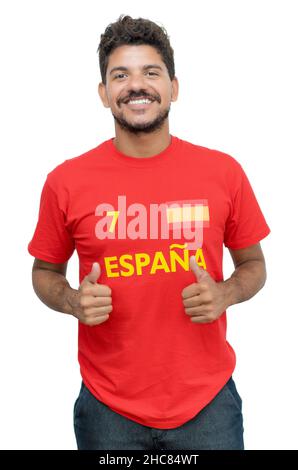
(196, 269)
(94, 273)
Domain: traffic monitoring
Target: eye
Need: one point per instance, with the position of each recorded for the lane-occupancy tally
(118, 75)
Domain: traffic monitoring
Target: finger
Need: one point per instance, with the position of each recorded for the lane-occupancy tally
(194, 289)
(196, 269)
(97, 311)
(94, 302)
(190, 291)
(202, 319)
(192, 301)
(104, 290)
(97, 290)
(197, 300)
(98, 320)
(205, 309)
(94, 274)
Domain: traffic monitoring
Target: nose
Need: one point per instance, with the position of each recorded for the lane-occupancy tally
(136, 85)
(136, 81)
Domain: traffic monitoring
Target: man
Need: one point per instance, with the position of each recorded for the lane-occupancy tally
(148, 214)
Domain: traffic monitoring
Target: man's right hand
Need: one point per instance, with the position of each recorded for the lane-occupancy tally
(93, 301)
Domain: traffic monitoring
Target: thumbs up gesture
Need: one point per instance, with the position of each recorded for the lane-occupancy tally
(204, 300)
(94, 302)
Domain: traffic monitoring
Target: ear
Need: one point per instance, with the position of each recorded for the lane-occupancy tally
(175, 89)
(103, 95)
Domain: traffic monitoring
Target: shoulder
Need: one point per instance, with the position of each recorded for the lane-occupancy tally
(219, 165)
(214, 156)
(67, 172)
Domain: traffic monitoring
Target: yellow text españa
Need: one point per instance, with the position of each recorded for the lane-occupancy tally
(139, 263)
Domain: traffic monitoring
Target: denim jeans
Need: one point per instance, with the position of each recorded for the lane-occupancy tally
(219, 425)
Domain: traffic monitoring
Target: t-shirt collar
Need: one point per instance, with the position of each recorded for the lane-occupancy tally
(142, 162)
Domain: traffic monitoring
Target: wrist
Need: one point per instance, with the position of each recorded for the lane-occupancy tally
(231, 291)
(70, 300)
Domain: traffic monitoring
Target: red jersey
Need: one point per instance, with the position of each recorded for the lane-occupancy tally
(141, 219)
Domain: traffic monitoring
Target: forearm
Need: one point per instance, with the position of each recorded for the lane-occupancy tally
(53, 289)
(247, 279)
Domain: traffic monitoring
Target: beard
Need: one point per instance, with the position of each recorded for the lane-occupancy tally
(144, 127)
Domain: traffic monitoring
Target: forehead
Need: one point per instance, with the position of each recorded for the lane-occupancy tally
(134, 56)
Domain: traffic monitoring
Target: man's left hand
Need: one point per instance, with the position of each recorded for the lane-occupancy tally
(205, 299)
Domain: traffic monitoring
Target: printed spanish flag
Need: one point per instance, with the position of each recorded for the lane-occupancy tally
(187, 212)
(187, 219)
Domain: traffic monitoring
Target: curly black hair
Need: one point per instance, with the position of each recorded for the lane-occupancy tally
(127, 30)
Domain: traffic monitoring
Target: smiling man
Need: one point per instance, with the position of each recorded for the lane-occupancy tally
(143, 111)
(149, 214)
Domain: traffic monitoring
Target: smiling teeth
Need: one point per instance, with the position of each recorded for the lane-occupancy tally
(139, 102)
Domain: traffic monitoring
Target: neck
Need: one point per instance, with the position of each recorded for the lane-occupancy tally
(142, 145)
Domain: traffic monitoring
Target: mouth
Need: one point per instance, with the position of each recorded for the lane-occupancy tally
(139, 103)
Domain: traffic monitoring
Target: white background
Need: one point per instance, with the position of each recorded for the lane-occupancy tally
(236, 62)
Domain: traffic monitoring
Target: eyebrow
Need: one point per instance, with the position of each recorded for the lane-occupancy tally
(145, 67)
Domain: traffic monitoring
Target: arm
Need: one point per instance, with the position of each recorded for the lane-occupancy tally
(206, 299)
(51, 286)
(249, 275)
(91, 303)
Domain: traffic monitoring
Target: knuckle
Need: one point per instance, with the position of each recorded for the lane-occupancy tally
(191, 311)
(204, 286)
(106, 290)
(196, 288)
(184, 292)
(87, 291)
(108, 301)
(87, 313)
(83, 286)
(84, 301)
(107, 309)
(102, 319)
(88, 321)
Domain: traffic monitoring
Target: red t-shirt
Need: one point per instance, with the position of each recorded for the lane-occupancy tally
(149, 362)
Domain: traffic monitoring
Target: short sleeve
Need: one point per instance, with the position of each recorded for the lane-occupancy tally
(51, 241)
(246, 224)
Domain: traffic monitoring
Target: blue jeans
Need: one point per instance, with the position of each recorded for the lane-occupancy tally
(219, 425)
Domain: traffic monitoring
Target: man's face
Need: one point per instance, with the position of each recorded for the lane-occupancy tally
(133, 73)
